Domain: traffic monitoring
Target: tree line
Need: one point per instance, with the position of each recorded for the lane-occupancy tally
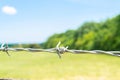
(104, 35)
(25, 45)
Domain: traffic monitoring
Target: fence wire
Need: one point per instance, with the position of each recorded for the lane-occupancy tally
(59, 50)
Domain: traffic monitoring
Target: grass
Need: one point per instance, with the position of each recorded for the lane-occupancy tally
(47, 66)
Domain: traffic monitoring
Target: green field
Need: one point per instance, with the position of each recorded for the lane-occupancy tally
(47, 66)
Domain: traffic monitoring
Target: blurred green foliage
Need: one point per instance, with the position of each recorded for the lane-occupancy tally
(33, 45)
(91, 35)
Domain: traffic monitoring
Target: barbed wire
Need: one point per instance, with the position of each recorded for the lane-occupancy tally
(59, 50)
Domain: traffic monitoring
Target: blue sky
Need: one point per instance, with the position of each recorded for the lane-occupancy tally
(34, 21)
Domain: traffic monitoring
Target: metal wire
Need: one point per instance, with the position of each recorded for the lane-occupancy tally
(59, 50)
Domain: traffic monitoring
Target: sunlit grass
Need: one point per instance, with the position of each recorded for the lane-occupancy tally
(47, 66)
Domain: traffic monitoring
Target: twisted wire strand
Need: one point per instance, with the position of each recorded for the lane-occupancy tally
(59, 50)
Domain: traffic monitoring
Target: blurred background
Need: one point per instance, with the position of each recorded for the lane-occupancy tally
(80, 24)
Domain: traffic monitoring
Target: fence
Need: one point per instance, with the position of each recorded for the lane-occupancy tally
(59, 50)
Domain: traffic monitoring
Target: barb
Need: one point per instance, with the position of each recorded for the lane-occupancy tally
(4, 48)
(59, 50)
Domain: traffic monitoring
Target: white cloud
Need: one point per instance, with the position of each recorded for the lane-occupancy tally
(9, 10)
